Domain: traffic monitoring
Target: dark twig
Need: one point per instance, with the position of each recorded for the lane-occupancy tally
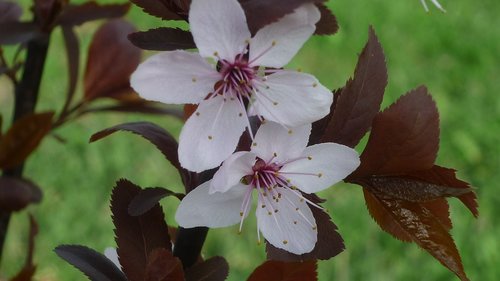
(25, 100)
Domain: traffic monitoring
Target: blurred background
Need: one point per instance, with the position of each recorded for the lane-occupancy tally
(456, 54)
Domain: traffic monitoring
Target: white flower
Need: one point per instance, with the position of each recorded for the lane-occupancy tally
(278, 168)
(246, 75)
(435, 2)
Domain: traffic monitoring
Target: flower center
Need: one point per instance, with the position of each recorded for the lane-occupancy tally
(237, 78)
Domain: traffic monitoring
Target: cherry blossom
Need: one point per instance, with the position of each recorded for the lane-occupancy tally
(278, 169)
(245, 79)
(435, 2)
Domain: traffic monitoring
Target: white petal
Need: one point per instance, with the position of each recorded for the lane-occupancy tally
(292, 99)
(290, 229)
(274, 141)
(323, 165)
(238, 165)
(112, 255)
(200, 208)
(211, 134)
(275, 45)
(175, 77)
(219, 26)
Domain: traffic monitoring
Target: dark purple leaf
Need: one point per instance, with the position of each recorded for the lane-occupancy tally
(90, 11)
(359, 101)
(447, 177)
(213, 269)
(285, 271)
(157, 136)
(398, 187)
(93, 264)
(260, 13)
(12, 33)
(329, 243)
(404, 137)
(327, 25)
(16, 193)
(110, 47)
(163, 266)
(148, 198)
(163, 39)
(23, 138)
(164, 9)
(73, 54)
(136, 237)
(10, 11)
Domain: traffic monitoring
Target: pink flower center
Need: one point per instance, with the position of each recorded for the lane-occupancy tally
(237, 78)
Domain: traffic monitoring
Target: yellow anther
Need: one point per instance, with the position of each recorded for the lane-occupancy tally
(274, 43)
(301, 200)
(314, 227)
(290, 132)
(263, 206)
(241, 214)
(315, 85)
(194, 80)
(254, 144)
(285, 242)
(197, 114)
(320, 175)
(296, 209)
(288, 180)
(269, 213)
(275, 103)
(210, 137)
(247, 41)
(309, 157)
(216, 54)
(275, 154)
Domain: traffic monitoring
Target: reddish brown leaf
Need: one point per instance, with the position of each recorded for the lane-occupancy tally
(73, 54)
(157, 136)
(148, 198)
(136, 237)
(329, 243)
(384, 218)
(260, 13)
(360, 99)
(447, 177)
(110, 47)
(23, 138)
(404, 137)
(285, 271)
(163, 39)
(12, 33)
(164, 9)
(16, 193)
(163, 266)
(327, 25)
(28, 270)
(10, 11)
(419, 224)
(93, 264)
(412, 190)
(90, 11)
(213, 269)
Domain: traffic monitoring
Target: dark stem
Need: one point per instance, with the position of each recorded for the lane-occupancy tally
(26, 94)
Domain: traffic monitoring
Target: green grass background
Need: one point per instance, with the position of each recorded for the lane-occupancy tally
(455, 54)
